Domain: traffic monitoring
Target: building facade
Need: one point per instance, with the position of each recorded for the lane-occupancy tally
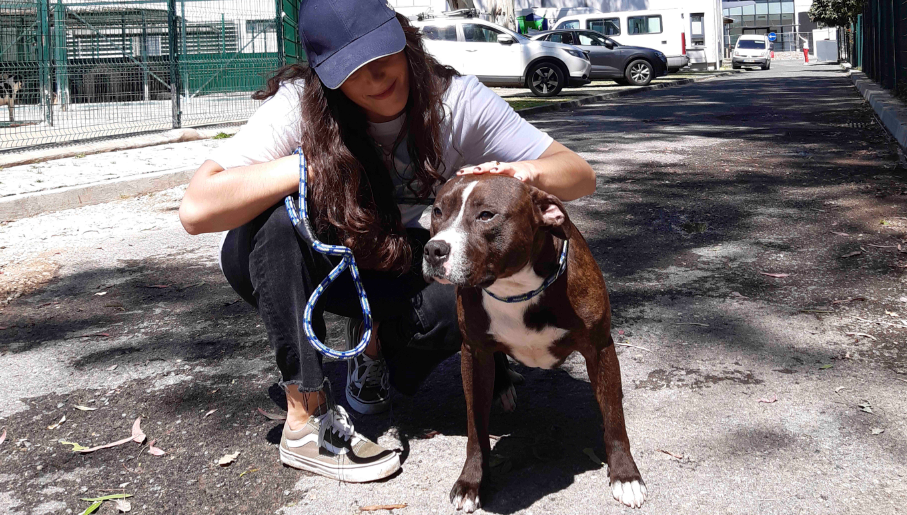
(788, 19)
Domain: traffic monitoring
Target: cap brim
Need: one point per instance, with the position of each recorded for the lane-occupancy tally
(386, 40)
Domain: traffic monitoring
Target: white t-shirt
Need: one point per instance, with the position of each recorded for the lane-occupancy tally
(479, 127)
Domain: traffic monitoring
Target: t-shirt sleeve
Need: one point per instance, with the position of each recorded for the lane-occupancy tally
(273, 131)
(493, 131)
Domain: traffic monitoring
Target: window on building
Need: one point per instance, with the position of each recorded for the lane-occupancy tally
(697, 28)
(608, 26)
(440, 33)
(644, 24)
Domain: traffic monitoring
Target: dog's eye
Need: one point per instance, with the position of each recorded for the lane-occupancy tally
(485, 216)
(436, 211)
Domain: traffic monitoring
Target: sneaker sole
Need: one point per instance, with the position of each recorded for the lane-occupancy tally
(372, 408)
(349, 473)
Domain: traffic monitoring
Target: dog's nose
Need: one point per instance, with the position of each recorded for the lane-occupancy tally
(436, 251)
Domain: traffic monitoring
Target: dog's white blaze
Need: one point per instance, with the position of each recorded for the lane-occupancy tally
(528, 346)
(455, 236)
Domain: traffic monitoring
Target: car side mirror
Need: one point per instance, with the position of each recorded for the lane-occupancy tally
(609, 45)
(505, 39)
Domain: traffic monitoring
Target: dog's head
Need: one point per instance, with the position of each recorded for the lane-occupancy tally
(13, 82)
(484, 227)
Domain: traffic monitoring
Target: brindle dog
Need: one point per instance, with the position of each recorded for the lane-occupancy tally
(496, 234)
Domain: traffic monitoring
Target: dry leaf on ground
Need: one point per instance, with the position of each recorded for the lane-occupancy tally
(122, 505)
(877, 431)
(769, 401)
(671, 454)
(778, 276)
(379, 507)
(84, 408)
(863, 334)
(137, 433)
(3, 436)
(54, 426)
(210, 412)
(588, 451)
(852, 254)
(154, 451)
(228, 459)
(271, 416)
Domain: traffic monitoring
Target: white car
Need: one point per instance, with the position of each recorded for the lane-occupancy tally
(500, 57)
(752, 50)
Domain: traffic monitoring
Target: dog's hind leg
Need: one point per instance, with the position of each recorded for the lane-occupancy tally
(477, 369)
(627, 485)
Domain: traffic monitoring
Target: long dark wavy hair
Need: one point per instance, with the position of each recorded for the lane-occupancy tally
(350, 188)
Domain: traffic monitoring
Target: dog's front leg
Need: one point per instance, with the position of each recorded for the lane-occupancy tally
(627, 485)
(477, 368)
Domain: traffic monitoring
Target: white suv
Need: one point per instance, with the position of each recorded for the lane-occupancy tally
(501, 57)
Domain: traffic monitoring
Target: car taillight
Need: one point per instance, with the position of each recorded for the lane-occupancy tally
(683, 43)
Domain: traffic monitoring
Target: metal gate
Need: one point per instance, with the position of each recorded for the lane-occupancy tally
(73, 70)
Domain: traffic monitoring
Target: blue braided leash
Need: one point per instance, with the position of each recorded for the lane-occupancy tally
(562, 266)
(300, 221)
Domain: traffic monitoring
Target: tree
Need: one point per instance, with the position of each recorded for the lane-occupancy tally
(835, 13)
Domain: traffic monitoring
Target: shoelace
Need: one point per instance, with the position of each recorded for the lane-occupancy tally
(338, 421)
(375, 373)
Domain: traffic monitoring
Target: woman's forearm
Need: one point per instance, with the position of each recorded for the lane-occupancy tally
(219, 200)
(558, 171)
(561, 172)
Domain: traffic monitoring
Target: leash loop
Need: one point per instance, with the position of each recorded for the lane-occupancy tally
(300, 218)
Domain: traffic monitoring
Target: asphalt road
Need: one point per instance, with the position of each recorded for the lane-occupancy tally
(744, 392)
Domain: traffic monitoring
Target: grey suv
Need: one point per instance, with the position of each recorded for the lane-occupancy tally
(611, 60)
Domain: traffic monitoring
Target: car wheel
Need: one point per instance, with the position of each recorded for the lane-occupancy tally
(545, 79)
(766, 66)
(639, 72)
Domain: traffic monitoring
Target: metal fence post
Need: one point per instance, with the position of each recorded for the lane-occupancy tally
(278, 19)
(172, 31)
(61, 59)
(44, 59)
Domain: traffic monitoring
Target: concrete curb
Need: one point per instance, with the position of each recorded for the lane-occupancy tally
(571, 104)
(891, 111)
(31, 204)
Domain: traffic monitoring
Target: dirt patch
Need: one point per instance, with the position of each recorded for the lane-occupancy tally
(26, 277)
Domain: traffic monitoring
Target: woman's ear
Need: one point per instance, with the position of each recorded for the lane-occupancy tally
(550, 213)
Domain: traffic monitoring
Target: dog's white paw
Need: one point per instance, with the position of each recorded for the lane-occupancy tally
(632, 493)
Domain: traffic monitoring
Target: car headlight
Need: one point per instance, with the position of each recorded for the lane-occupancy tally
(576, 53)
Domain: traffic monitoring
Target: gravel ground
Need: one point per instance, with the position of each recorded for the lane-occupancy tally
(744, 392)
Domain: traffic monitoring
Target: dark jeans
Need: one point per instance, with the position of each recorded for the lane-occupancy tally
(273, 269)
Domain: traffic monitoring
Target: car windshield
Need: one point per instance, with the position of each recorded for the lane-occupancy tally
(751, 44)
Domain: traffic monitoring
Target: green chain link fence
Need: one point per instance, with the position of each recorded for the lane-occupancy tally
(883, 45)
(74, 70)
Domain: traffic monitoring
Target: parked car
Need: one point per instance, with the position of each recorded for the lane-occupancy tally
(661, 30)
(500, 57)
(752, 50)
(611, 60)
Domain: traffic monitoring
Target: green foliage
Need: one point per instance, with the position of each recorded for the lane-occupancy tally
(835, 13)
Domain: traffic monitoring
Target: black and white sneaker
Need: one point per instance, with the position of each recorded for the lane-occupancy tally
(367, 383)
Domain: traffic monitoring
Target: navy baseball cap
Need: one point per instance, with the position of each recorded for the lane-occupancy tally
(341, 36)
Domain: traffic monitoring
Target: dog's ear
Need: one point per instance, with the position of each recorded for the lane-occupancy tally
(550, 213)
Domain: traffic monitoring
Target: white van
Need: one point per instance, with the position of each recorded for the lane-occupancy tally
(661, 30)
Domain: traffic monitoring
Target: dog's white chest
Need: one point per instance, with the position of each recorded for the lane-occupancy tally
(530, 347)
